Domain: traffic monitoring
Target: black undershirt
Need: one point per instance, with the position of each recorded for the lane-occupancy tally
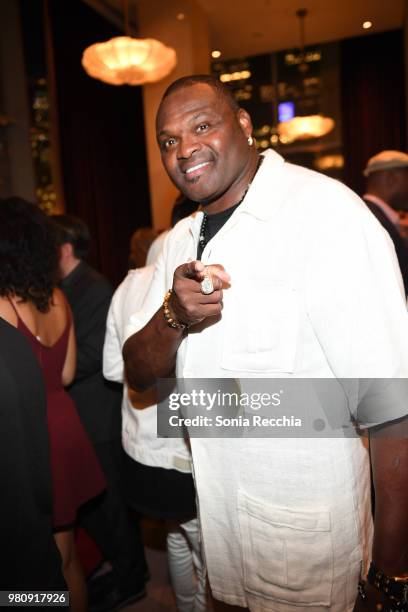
(213, 225)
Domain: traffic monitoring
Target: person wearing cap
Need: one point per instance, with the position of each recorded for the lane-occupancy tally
(386, 193)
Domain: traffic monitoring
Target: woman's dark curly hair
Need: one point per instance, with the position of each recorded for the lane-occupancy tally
(28, 253)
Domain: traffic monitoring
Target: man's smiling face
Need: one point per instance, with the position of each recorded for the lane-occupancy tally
(203, 142)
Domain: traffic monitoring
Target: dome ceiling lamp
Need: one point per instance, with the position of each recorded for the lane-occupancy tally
(124, 60)
(310, 126)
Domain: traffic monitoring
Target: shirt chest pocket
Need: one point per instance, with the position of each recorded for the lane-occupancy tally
(260, 328)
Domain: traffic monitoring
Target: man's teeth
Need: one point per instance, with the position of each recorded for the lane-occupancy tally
(196, 167)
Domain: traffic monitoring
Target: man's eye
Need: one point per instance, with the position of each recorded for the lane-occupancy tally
(202, 127)
(166, 144)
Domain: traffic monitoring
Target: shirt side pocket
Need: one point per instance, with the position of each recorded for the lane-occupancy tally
(287, 553)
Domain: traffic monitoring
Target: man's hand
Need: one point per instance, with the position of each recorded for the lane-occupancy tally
(151, 352)
(373, 599)
(188, 303)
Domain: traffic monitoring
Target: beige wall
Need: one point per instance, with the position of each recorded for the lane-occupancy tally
(190, 38)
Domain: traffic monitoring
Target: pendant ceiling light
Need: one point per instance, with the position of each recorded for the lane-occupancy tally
(303, 128)
(125, 60)
(310, 126)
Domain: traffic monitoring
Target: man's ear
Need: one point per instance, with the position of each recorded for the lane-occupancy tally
(245, 122)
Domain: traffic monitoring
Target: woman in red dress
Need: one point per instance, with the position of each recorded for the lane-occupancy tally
(30, 301)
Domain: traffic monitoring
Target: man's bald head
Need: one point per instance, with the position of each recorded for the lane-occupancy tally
(188, 81)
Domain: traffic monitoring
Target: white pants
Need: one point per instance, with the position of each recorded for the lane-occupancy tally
(186, 566)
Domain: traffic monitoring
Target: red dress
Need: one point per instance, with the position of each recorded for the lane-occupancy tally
(76, 474)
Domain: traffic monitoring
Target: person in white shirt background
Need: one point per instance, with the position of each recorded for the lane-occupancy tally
(158, 477)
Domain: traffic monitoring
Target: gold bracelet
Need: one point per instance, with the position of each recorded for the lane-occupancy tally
(171, 322)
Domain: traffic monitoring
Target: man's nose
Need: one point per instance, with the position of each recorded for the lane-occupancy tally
(187, 146)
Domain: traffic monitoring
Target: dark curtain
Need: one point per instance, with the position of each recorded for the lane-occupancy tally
(373, 100)
(102, 140)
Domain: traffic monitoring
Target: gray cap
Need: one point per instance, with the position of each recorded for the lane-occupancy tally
(386, 160)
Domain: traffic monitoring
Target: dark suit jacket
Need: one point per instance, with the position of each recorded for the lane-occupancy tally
(98, 401)
(400, 245)
(29, 558)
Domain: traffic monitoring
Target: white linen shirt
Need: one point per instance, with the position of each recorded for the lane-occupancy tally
(139, 410)
(315, 292)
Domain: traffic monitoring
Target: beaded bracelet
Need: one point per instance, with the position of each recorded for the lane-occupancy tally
(171, 322)
(395, 587)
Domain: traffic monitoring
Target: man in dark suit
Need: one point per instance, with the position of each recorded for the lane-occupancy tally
(107, 520)
(386, 193)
